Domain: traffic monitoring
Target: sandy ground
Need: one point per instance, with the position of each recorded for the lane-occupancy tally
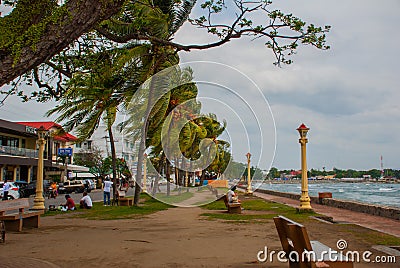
(177, 237)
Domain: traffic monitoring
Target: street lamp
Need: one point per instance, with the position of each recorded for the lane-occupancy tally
(304, 199)
(38, 202)
(248, 190)
(144, 173)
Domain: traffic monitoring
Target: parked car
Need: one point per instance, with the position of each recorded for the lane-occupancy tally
(22, 185)
(162, 181)
(61, 188)
(91, 185)
(28, 189)
(77, 186)
(13, 192)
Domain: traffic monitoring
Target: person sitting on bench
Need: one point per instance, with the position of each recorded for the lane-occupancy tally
(86, 201)
(232, 197)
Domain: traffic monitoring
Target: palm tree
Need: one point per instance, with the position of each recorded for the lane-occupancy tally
(163, 19)
(94, 96)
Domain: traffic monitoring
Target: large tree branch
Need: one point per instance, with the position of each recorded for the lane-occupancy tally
(82, 16)
(142, 37)
(59, 69)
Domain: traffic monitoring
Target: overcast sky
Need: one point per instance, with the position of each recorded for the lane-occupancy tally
(348, 96)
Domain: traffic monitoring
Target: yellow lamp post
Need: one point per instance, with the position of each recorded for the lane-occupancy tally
(304, 199)
(144, 173)
(248, 190)
(38, 201)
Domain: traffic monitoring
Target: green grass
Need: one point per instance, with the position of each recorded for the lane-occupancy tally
(147, 206)
(239, 218)
(370, 236)
(174, 198)
(205, 201)
(222, 189)
(255, 205)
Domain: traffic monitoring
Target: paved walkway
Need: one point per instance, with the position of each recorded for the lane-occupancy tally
(377, 223)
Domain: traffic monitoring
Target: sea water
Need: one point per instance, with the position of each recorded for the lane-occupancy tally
(368, 192)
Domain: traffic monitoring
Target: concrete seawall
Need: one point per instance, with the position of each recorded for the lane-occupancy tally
(377, 210)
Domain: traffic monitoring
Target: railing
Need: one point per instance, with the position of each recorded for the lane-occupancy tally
(7, 150)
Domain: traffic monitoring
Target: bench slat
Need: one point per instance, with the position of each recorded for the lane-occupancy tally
(8, 205)
(319, 248)
(294, 237)
(16, 221)
(24, 215)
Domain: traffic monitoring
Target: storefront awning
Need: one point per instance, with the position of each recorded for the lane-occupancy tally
(71, 167)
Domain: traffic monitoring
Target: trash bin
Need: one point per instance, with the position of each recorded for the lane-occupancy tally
(324, 195)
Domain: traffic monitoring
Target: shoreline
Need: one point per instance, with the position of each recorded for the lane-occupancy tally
(371, 209)
(322, 181)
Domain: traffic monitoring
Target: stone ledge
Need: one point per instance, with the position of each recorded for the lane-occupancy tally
(377, 210)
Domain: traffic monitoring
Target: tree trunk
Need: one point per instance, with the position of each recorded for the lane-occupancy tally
(203, 175)
(176, 172)
(82, 17)
(142, 145)
(150, 101)
(182, 172)
(160, 167)
(142, 148)
(168, 174)
(113, 161)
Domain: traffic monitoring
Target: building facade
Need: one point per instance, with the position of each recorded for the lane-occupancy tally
(125, 147)
(19, 151)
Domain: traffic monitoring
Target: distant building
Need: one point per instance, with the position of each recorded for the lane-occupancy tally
(125, 147)
(19, 152)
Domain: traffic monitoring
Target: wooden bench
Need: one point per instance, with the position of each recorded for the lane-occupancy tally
(16, 221)
(119, 194)
(2, 232)
(126, 201)
(233, 208)
(294, 238)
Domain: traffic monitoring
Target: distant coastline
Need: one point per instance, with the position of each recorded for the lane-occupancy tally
(372, 209)
(375, 193)
(313, 181)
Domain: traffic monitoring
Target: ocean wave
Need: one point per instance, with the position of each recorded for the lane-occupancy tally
(387, 189)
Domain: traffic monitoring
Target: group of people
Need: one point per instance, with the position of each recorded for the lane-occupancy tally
(85, 202)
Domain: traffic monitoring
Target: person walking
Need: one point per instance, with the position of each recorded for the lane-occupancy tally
(107, 191)
(6, 188)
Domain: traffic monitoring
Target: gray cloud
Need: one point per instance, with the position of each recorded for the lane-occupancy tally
(348, 95)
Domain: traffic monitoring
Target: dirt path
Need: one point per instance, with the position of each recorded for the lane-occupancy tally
(177, 237)
(199, 198)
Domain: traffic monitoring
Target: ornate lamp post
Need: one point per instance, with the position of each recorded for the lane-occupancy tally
(38, 202)
(304, 199)
(248, 190)
(144, 173)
